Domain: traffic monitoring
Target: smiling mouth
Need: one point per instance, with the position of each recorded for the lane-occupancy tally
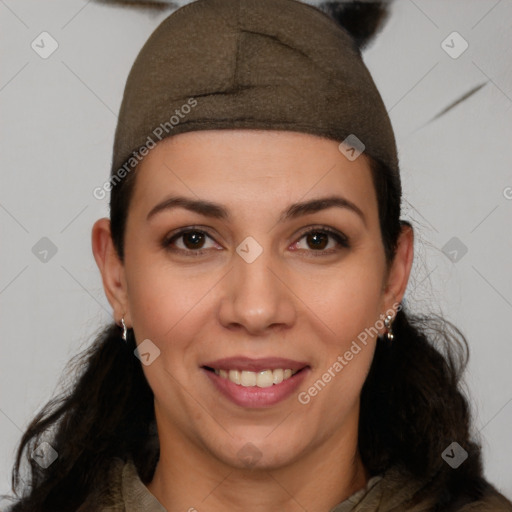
(261, 379)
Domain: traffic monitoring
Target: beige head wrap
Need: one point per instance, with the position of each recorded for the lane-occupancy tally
(264, 64)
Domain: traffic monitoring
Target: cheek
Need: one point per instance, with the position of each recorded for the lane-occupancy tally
(349, 310)
(346, 299)
(345, 306)
(162, 297)
(167, 307)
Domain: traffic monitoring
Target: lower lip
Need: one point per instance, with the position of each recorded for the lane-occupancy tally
(254, 396)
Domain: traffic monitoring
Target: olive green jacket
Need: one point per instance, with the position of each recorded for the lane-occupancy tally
(390, 492)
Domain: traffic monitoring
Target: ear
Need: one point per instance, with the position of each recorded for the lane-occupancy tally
(112, 270)
(400, 269)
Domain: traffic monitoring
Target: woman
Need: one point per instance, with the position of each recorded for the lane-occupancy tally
(256, 265)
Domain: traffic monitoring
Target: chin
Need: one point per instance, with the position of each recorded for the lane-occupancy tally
(258, 454)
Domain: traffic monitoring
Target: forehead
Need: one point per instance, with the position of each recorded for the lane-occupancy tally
(265, 167)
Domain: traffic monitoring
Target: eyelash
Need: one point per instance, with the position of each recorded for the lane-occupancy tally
(341, 239)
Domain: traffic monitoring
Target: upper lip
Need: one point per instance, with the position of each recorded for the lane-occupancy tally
(255, 365)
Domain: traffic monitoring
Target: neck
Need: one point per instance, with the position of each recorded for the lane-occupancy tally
(188, 477)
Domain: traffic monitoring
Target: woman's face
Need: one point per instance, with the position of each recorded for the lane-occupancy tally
(247, 281)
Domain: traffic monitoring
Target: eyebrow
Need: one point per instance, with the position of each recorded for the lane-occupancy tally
(217, 211)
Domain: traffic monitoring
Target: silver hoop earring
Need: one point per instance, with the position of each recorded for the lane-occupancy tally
(388, 322)
(125, 330)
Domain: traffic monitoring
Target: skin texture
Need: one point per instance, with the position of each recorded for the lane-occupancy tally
(293, 301)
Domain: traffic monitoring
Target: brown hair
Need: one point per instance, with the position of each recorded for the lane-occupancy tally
(412, 407)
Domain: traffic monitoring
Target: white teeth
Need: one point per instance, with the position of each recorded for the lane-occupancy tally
(263, 379)
(278, 376)
(248, 379)
(233, 376)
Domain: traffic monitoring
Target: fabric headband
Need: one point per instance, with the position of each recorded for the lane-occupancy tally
(261, 64)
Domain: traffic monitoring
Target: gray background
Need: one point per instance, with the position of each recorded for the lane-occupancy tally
(58, 120)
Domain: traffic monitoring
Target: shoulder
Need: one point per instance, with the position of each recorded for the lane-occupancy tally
(491, 501)
(402, 492)
(108, 497)
(122, 490)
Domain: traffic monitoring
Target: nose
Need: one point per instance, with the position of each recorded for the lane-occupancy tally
(256, 296)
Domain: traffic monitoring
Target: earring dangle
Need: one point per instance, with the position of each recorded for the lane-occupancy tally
(125, 330)
(387, 323)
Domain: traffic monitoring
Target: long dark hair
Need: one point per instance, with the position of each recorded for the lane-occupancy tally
(412, 403)
(412, 406)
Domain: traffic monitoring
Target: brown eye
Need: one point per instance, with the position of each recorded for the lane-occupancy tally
(193, 239)
(190, 242)
(317, 240)
(322, 240)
